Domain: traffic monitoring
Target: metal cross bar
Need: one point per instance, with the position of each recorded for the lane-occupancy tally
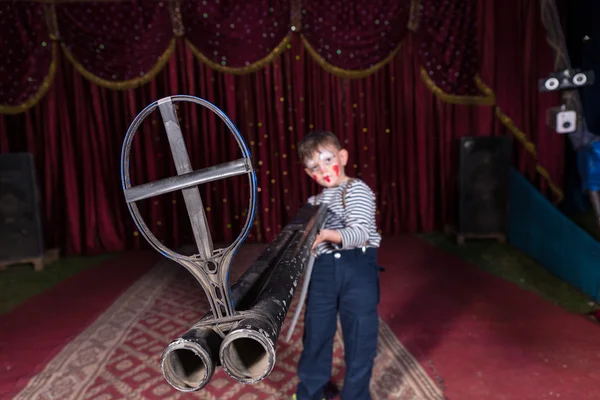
(191, 195)
(179, 182)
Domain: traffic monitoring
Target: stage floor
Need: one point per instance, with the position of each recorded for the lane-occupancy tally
(469, 334)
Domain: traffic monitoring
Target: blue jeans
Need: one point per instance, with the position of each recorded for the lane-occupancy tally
(347, 282)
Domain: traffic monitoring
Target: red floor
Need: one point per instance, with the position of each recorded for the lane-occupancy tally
(34, 332)
(485, 337)
(482, 338)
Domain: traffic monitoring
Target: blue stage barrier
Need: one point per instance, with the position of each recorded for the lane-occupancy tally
(544, 234)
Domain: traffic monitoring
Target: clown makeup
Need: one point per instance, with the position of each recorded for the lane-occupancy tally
(324, 168)
(326, 156)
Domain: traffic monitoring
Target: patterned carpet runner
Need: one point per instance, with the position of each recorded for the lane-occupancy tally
(117, 356)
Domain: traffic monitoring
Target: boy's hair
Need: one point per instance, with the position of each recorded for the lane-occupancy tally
(313, 141)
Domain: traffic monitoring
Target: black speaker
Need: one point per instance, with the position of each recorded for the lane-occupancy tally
(21, 237)
(483, 188)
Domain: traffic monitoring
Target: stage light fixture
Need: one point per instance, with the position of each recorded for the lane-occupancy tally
(561, 119)
(567, 79)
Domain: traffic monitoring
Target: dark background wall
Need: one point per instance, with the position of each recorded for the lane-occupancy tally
(582, 18)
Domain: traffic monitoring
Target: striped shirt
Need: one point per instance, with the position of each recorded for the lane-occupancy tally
(355, 222)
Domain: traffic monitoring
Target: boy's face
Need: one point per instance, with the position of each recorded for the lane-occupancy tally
(326, 166)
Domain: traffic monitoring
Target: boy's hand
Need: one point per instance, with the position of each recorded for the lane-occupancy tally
(327, 235)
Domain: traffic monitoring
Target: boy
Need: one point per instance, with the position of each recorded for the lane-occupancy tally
(345, 275)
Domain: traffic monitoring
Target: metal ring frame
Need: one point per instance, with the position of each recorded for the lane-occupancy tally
(210, 267)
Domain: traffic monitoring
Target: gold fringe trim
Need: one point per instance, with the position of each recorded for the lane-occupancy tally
(531, 149)
(414, 17)
(128, 84)
(51, 21)
(255, 66)
(488, 98)
(176, 18)
(41, 92)
(347, 73)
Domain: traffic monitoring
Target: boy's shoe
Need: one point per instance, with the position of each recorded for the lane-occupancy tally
(331, 391)
(294, 397)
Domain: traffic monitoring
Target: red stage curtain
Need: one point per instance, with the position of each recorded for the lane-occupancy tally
(26, 56)
(354, 37)
(398, 125)
(448, 45)
(119, 45)
(236, 36)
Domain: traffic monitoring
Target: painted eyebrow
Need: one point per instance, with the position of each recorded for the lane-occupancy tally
(325, 154)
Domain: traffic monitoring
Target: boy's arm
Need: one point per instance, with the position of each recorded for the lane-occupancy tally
(327, 235)
(360, 211)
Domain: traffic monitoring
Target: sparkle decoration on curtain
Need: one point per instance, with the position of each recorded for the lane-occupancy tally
(354, 39)
(236, 37)
(118, 45)
(296, 16)
(27, 65)
(448, 52)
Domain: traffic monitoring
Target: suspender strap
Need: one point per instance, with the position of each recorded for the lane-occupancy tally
(350, 180)
(344, 191)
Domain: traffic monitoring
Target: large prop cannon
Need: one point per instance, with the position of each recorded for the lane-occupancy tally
(241, 330)
(244, 344)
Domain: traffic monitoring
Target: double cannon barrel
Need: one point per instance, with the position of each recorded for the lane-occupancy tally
(244, 345)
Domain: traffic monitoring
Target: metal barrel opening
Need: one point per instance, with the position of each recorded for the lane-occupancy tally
(247, 355)
(187, 366)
